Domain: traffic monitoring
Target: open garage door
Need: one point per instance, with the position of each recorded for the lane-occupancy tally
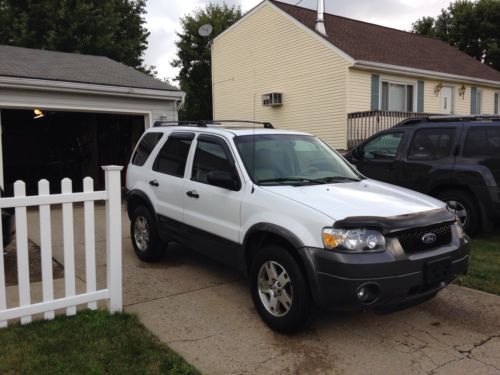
(64, 144)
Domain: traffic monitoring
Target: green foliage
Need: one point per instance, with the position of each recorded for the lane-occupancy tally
(112, 28)
(194, 58)
(471, 26)
(92, 342)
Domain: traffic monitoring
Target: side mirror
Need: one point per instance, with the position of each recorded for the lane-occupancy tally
(223, 179)
(357, 153)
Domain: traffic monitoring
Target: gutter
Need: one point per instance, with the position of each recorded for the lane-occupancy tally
(370, 65)
(89, 88)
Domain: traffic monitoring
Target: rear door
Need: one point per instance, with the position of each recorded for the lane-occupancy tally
(378, 156)
(482, 150)
(430, 157)
(167, 180)
(212, 213)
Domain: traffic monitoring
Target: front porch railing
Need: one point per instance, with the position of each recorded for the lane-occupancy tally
(361, 125)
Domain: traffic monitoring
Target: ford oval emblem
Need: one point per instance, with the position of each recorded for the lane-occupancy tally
(429, 238)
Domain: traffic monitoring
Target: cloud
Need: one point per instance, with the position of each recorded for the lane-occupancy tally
(163, 16)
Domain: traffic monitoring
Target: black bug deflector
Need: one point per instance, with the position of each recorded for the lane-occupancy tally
(393, 224)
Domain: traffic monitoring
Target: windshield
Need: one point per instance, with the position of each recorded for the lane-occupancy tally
(291, 159)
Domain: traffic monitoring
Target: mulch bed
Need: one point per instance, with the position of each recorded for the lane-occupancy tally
(10, 263)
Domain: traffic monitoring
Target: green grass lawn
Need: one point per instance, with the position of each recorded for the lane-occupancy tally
(484, 265)
(92, 342)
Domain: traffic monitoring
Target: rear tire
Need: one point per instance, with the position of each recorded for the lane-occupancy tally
(144, 234)
(279, 290)
(466, 207)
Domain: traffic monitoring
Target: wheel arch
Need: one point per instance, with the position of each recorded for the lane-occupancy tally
(262, 234)
(136, 198)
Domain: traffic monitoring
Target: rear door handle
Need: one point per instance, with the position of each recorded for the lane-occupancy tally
(193, 194)
(154, 183)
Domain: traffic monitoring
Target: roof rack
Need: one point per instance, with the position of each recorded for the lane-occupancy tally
(214, 123)
(447, 118)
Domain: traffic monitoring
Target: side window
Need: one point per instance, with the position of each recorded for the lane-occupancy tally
(146, 145)
(210, 156)
(431, 144)
(172, 157)
(383, 147)
(482, 141)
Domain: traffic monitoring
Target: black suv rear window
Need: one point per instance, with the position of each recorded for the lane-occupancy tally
(147, 144)
(482, 141)
(173, 155)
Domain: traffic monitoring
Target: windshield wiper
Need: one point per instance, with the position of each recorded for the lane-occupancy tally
(293, 179)
(339, 179)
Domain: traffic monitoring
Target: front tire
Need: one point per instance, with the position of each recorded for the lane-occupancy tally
(279, 290)
(144, 234)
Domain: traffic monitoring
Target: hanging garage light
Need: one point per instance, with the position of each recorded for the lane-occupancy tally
(38, 113)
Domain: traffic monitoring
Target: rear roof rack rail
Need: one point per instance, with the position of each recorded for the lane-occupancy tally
(447, 118)
(215, 123)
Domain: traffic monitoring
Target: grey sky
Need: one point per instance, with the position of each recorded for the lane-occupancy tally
(163, 19)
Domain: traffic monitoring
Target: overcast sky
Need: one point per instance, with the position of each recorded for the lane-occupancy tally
(163, 20)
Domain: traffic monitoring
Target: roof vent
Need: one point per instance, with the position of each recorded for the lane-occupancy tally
(320, 21)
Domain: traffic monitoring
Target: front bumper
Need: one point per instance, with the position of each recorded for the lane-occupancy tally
(395, 279)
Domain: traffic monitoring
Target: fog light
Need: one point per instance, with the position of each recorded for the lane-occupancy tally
(368, 293)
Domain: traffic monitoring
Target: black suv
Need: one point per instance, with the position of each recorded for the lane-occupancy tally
(453, 158)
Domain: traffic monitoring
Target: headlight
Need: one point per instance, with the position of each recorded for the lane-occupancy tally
(353, 240)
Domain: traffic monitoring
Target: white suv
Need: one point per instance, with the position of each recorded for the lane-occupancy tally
(293, 215)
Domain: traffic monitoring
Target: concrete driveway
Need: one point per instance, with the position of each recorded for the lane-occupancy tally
(204, 311)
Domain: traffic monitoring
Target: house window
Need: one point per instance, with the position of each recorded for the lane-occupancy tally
(397, 96)
(479, 101)
(497, 103)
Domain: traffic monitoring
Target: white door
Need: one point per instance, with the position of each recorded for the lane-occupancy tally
(447, 100)
(211, 212)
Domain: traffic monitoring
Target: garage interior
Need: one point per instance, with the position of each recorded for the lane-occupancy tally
(57, 144)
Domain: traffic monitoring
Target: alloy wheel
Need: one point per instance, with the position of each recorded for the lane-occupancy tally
(275, 288)
(141, 233)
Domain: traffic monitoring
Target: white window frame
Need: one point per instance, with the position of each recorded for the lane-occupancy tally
(397, 82)
(496, 95)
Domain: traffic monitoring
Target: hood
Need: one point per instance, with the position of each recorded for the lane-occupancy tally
(364, 198)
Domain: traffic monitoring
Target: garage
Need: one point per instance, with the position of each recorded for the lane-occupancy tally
(66, 115)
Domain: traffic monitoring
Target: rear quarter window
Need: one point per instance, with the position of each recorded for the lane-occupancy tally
(482, 141)
(145, 147)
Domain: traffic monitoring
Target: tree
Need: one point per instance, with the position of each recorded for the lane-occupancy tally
(112, 28)
(194, 58)
(470, 26)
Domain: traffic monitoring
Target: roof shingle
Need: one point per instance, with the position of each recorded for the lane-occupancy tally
(370, 42)
(73, 67)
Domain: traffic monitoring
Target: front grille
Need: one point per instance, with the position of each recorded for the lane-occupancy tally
(412, 241)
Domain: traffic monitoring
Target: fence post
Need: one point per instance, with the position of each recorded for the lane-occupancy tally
(114, 236)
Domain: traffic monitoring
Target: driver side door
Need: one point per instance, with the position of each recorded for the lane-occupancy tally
(378, 157)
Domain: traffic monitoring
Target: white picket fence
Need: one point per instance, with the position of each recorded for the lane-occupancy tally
(113, 292)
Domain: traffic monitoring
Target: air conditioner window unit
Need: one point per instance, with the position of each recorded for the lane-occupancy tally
(272, 99)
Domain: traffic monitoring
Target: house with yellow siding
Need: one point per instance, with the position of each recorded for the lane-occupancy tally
(346, 84)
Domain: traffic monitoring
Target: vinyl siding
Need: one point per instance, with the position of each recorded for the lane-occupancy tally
(268, 52)
(360, 91)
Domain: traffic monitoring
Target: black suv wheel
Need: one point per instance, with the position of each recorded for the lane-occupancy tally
(144, 234)
(279, 290)
(465, 207)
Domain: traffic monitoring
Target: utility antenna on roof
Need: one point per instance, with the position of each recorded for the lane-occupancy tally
(320, 20)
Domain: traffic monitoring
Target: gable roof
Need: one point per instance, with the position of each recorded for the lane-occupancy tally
(369, 42)
(72, 67)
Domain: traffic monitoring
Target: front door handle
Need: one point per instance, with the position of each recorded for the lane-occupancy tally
(193, 194)
(154, 183)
